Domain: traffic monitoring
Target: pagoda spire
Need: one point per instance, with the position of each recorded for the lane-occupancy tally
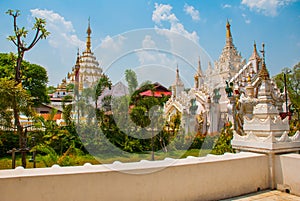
(198, 78)
(178, 81)
(254, 55)
(229, 42)
(88, 40)
(228, 32)
(177, 73)
(178, 85)
(199, 67)
(263, 73)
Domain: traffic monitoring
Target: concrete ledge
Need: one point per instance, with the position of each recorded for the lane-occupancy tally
(194, 178)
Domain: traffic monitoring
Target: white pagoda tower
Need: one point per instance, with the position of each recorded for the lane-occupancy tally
(86, 71)
(265, 132)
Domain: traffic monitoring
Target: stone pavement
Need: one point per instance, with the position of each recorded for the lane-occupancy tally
(267, 196)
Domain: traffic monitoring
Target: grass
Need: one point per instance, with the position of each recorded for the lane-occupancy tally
(5, 162)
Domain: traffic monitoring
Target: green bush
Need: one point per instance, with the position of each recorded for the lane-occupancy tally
(223, 143)
(8, 140)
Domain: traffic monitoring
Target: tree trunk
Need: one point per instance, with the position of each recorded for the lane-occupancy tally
(22, 137)
(18, 67)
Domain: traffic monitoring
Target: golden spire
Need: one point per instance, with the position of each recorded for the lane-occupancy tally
(88, 40)
(228, 32)
(263, 73)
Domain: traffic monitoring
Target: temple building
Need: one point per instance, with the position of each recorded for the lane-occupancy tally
(87, 70)
(84, 74)
(221, 94)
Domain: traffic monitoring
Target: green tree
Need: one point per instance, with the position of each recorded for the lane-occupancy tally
(51, 89)
(102, 84)
(145, 112)
(18, 39)
(34, 77)
(10, 91)
(59, 137)
(293, 88)
(131, 79)
(67, 109)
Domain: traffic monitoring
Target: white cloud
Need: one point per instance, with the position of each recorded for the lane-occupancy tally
(114, 44)
(62, 31)
(190, 10)
(247, 20)
(226, 6)
(267, 7)
(149, 54)
(163, 13)
(148, 42)
(154, 63)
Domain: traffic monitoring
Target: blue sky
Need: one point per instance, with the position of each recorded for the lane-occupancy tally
(274, 22)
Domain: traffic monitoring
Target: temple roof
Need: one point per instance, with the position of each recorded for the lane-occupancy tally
(158, 91)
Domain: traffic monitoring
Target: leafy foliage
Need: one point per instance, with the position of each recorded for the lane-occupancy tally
(8, 140)
(34, 77)
(223, 143)
(10, 91)
(131, 79)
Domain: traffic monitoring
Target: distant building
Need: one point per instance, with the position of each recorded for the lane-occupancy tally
(87, 70)
(158, 91)
(85, 74)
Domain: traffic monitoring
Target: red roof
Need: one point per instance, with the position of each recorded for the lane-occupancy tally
(156, 93)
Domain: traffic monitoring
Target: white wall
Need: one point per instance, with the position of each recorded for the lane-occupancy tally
(206, 178)
(287, 173)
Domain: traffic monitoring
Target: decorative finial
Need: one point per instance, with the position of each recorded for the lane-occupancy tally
(228, 32)
(254, 47)
(199, 67)
(177, 74)
(254, 55)
(89, 31)
(263, 73)
(263, 51)
(88, 40)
